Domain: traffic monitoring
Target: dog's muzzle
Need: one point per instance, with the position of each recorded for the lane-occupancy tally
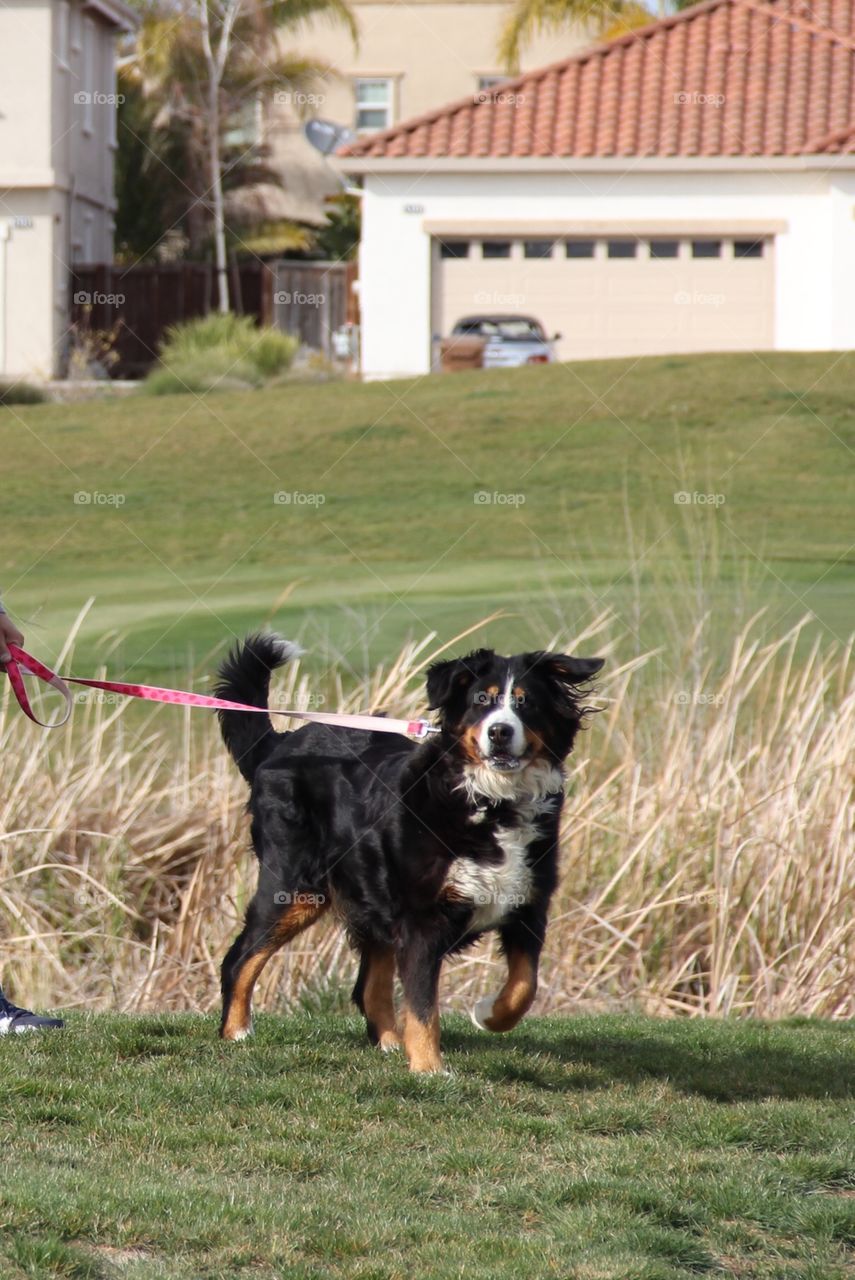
(505, 747)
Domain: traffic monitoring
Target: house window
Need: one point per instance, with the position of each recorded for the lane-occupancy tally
(485, 83)
(373, 104)
(496, 249)
(706, 248)
(579, 248)
(748, 248)
(537, 248)
(246, 125)
(664, 248)
(621, 248)
(454, 248)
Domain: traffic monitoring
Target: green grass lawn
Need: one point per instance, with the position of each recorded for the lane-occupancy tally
(590, 1147)
(195, 548)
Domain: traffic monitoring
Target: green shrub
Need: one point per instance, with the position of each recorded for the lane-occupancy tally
(272, 352)
(219, 353)
(21, 393)
(213, 370)
(208, 333)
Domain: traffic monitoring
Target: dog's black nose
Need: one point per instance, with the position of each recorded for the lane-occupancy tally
(500, 734)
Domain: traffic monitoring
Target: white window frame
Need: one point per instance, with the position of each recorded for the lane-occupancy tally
(388, 106)
(88, 237)
(62, 41)
(88, 75)
(112, 89)
(74, 29)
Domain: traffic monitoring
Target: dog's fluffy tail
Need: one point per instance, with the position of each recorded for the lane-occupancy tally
(245, 677)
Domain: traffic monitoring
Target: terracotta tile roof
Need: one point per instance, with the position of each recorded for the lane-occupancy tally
(724, 78)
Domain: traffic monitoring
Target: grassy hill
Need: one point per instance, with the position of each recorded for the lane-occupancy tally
(181, 542)
(613, 1147)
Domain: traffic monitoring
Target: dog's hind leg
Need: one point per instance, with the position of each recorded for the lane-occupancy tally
(419, 963)
(373, 995)
(268, 927)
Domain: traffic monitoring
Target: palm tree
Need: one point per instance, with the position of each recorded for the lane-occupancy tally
(197, 68)
(605, 19)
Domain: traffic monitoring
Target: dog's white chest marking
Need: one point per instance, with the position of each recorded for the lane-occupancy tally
(499, 888)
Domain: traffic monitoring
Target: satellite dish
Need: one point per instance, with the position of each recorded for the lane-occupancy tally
(327, 137)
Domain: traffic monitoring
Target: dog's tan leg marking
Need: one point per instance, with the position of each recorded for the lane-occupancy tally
(421, 1041)
(378, 1001)
(294, 919)
(503, 1011)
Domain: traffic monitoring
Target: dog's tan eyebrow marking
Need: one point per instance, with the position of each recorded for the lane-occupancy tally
(493, 691)
(519, 691)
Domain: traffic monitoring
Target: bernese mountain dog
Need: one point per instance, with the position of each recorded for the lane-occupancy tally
(418, 847)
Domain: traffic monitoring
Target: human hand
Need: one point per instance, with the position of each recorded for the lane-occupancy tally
(9, 634)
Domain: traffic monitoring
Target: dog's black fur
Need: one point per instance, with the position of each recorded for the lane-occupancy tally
(411, 843)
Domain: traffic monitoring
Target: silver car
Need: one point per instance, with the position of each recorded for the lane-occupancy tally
(510, 341)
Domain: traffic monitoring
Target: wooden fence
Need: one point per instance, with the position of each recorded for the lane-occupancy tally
(308, 299)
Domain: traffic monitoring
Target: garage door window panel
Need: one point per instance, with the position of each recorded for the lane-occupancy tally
(454, 248)
(706, 248)
(664, 249)
(537, 248)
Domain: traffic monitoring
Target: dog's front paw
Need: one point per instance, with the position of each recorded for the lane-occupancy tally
(482, 1011)
(390, 1042)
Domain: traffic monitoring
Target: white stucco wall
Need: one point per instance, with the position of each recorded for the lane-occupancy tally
(56, 170)
(814, 256)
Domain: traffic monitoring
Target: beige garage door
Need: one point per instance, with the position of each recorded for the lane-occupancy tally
(615, 295)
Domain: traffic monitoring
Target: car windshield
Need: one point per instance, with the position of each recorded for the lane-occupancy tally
(510, 329)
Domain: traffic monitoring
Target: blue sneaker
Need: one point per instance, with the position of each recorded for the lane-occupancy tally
(15, 1021)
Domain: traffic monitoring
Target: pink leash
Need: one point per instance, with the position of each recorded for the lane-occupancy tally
(151, 693)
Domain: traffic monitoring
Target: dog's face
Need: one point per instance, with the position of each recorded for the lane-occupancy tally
(508, 714)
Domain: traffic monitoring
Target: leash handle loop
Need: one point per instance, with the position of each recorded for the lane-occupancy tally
(418, 729)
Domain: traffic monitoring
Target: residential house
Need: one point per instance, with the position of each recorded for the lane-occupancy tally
(57, 145)
(689, 187)
(409, 57)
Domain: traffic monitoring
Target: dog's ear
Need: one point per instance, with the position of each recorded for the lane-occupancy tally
(448, 681)
(566, 668)
(564, 673)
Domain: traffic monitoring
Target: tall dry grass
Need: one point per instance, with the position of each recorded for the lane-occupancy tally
(708, 852)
